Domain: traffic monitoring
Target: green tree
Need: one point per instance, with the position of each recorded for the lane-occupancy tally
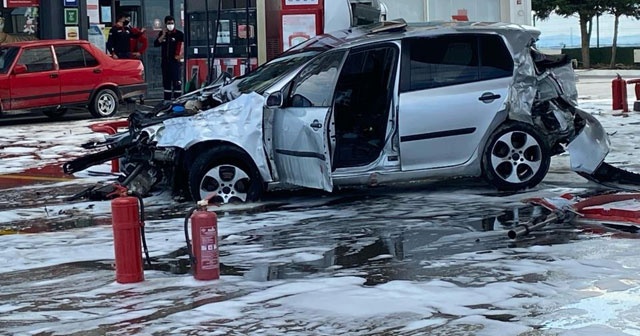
(586, 10)
(619, 8)
(544, 8)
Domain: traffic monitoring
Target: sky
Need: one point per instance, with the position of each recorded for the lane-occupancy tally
(558, 30)
(62, 282)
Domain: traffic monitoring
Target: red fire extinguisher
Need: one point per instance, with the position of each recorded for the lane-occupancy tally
(619, 94)
(204, 252)
(126, 237)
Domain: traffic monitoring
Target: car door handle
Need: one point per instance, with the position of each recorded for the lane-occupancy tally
(53, 75)
(97, 70)
(488, 97)
(316, 125)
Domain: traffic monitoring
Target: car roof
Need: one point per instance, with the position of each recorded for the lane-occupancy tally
(517, 35)
(43, 42)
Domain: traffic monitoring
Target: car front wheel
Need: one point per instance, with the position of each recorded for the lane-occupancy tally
(516, 157)
(228, 172)
(104, 104)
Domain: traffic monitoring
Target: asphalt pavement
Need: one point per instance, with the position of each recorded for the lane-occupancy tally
(73, 114)
(427, 258)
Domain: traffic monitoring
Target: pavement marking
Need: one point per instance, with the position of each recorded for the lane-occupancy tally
(35, 178)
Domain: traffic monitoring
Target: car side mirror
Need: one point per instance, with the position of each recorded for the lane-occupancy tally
(274, 100)
(19, 69)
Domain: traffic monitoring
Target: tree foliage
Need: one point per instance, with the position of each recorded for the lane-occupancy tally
(544, 8)
(619, 8)
(586, 10)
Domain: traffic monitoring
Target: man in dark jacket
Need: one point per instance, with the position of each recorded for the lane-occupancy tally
(118, 43)
(171, 40)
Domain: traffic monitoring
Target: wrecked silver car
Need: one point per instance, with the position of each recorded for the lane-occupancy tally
(379, 104)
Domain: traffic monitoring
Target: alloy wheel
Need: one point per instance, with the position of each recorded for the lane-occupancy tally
(230, 183)
(106, 104)
(516, 157)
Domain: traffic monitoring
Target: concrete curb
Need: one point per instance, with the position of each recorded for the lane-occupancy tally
(611, 73)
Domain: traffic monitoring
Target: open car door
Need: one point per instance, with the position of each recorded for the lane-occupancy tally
(301, 127)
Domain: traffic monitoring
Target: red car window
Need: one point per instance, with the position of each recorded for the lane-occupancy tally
(74, 56)
(37, 59)
(7, 55)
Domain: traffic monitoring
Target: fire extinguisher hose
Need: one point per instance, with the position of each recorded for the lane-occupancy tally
(142, 235)
(192, 258)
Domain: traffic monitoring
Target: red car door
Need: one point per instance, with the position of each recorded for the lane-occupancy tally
(39, 86)
(79, 73)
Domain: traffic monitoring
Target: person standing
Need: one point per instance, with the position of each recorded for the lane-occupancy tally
(171, 40)
(138, 42)
(118, 42)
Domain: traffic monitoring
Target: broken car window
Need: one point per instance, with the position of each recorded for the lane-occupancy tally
(263, 77)
(314, 85)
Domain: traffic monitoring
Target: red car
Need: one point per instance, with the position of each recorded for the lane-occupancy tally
(52, 75)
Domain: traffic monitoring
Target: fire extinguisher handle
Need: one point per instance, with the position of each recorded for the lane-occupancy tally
(119, 191)
(192, 258)
(203, 203)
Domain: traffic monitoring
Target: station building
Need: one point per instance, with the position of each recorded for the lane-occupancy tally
(233, 36)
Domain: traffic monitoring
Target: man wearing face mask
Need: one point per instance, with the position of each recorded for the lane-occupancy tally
(118, 43)
(171, 40)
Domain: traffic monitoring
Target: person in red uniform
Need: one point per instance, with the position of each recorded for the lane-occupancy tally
(171, 40)
(138, 42)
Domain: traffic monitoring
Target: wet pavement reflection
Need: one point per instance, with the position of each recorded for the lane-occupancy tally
(391, 237)
(380, 235)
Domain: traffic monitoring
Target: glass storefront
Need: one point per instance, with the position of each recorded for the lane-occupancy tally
(18, 23)
(153, 13)
(147, 14)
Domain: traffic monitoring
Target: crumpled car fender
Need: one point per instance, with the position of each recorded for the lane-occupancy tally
(588, 150)
(238, 122)
(589, 145)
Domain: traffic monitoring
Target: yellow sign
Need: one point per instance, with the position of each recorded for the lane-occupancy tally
(71, 33)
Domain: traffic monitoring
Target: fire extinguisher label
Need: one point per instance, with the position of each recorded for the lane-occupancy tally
(209, 256)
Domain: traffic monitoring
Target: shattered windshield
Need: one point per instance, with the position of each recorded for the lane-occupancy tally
(263, 77)
(7, 55)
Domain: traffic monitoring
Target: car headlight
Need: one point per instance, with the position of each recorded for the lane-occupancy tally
(152, 133)
(159, 134)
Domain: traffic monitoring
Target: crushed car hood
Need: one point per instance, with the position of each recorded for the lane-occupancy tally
(238, 121)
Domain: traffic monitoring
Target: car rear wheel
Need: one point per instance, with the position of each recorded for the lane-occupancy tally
(228, 172)
(55, 113)
(516, 157)
(104, 104)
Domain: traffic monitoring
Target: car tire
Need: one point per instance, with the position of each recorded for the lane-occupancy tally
(55, 113)
(104, 104)
(227, 171)
(516, 157)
